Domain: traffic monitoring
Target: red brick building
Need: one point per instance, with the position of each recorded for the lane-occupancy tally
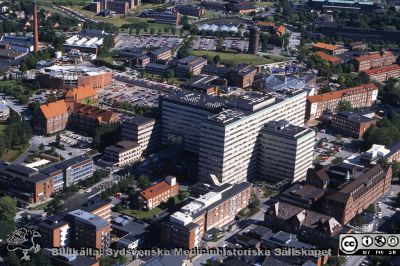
(351, 124)
(51, 117)
(374, 60)
(329, 48)
(85, 95)
(355, 195)
(311, 227)
(158, 193)
(383, 74)
(24, 183)
(216, 209)
(87, 118)
(361, 96)
(331, 59)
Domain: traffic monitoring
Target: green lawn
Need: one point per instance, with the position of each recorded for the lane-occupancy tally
(41, 206)
(12, 154)
(2, 128)
(264, 4)
(142, 214)
(231, 58)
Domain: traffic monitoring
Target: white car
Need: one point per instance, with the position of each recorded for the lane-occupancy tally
(88, 190)
(379, 215)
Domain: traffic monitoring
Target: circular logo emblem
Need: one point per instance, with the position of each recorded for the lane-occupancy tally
(392, 241)
(349, 244)
(380, 241)
(367, 241)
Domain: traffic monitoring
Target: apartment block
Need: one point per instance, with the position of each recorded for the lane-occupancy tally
(229, 141)
(216, 209)
(88, 230)
(182, 116)
(51, 118)
(242, 76)
(351, 124)
(361, 96)
(145, 131)
(122, 153)
(55, 231)
(286, 151)
(225, 133)
(383, 74)
(374, 60)
(191, 65)
(69, 172)
(158, 193)
(163, 53)
(24, 183)
(119, 7)
(189, 10)
(99, 207)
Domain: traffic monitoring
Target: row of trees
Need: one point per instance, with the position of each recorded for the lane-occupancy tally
(106, 135)
(385, 132)
(30, 61)
(17, 133)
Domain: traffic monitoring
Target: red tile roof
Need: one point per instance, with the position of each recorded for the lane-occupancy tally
(339, 94)
(332, 59)
(325, 46)
(265, 23)
(81, 93)
(382, 69)
(53, 109)
(281, 30)
(101, 115)
(155, 190)
(374, 56)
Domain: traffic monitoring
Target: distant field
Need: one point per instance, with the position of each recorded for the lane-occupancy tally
(264, 4)
(236, 59)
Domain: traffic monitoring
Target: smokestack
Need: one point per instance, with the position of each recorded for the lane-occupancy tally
(35, 28)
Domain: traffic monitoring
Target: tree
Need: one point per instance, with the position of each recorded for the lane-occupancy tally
(13, 259)
(143, 181)
(152, 31)
(344, 105)
(8, 209)
(170, 74)
(371, 208)
(216, 59)
(254, 202)
(184, 195)
(337, 160)
(53, 207)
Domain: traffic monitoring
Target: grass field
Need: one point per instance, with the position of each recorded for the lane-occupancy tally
(264, 4)
(236, 59)
(142, 214)
(12, 154)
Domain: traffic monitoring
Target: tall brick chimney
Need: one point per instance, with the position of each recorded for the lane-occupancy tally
(35, 28)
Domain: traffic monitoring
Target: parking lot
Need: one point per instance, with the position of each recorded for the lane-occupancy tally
(148, 42)
(138, 92)
(211, 44)
(74, 140)
(328, 148)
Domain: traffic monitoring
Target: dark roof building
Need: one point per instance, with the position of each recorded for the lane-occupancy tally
(25, 183)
